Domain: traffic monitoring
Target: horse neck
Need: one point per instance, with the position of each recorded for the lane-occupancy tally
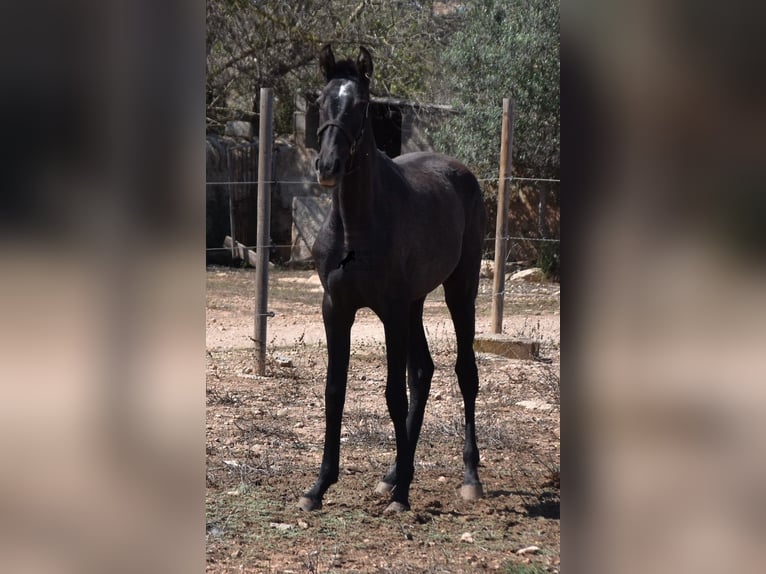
(354, 198)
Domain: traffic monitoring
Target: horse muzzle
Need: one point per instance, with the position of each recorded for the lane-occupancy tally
(328, 183)
(328, 172)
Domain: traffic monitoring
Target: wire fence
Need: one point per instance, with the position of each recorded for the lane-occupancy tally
(488, 239)
(517, 245)
(312, 182)
(521, 241)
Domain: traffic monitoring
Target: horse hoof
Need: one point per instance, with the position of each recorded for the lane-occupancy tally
(309, 504)
(396, 507)
(471, 492)
(384, 488)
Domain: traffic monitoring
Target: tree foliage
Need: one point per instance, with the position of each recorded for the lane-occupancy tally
(255, 43)
(504, 48)
(470, 54)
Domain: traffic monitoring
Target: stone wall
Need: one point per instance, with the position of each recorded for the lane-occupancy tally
(235, 159)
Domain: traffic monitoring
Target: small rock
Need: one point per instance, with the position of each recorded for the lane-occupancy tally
(283, 362)
(231, 463)
(240, 129)
(535, 404)
(298, 425)
(282, 412)
(466, 537)
(535, 274)
(303, 524)
(442, 479)
(281, 526)
(528, 550)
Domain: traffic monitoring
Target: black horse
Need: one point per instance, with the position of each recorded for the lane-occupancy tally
(396, 231)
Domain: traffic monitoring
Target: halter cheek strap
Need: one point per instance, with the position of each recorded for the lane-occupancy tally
(353, 142)
(334, 124)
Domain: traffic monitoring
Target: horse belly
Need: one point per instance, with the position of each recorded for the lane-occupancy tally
(434, 262)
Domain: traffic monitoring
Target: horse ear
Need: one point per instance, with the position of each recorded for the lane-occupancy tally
(364, 62)
(327, 61)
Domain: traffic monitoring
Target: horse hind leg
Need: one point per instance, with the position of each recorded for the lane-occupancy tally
(420, 370)
(460, 295)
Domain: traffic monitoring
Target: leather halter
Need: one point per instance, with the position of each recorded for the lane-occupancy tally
(353, 142)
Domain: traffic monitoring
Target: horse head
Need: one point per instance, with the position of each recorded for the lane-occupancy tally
(343, 113)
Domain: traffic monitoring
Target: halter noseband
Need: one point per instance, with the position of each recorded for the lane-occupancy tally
(353, 142)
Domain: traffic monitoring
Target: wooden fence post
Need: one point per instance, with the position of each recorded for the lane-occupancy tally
(501, 228)
(230, 188)
(265, 143)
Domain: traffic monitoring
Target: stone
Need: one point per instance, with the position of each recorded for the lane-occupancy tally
(535, 405)
(506, 346)
(487, 268)
(532, 275)
(239, 129)
(308, 215)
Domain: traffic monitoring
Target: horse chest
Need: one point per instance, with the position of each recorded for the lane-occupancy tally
(355, 280)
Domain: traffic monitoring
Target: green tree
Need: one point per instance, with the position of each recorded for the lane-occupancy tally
(255, 43)
(504, 48)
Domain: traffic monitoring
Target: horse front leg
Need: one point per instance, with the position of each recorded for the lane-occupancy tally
(338, 324)
(397, 340)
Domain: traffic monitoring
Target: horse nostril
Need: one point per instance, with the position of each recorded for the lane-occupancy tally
(327, 166)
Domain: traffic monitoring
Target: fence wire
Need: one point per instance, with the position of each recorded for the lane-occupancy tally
(313, 182)
(488, 240)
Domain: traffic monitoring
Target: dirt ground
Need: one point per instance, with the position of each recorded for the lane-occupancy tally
(265, 435)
